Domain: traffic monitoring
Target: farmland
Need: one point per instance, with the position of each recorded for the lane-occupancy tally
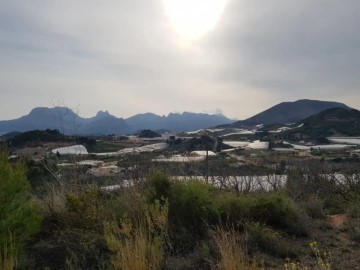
(274, 202)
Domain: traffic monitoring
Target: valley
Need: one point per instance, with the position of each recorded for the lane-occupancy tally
(276, 188)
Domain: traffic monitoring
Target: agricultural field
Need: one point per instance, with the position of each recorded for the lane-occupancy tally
(194, 202)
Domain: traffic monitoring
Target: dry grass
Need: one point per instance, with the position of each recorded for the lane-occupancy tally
(8, 256)
(139, 244)
(7, 261)
(231, 250)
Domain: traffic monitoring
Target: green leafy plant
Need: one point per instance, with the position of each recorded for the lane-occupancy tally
(19, 215)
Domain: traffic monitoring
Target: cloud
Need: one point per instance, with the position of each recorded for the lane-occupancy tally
(125, 56)
(291, 47)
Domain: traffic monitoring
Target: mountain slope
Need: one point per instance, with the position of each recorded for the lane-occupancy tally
(108, 124)
(331, 122)
(188, 121)
(289, 112)
(41, 118)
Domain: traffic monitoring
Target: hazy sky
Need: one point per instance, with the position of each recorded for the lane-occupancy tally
(238, 57)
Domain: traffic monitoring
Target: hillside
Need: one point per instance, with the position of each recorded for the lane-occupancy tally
(289, 112)
(68, 122)
(39, 137)
(147, 133)
(336, 121)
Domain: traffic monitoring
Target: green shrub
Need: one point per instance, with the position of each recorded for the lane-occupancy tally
(193, 205)
(235, 209)
(313, 207)
(139, 244)
(192, 208)
(269, 241)
(20, 217)
(276, 210)
(157, 187)
(354, 209)
(74, 237)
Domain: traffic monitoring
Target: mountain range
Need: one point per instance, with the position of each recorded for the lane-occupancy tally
(68, 122)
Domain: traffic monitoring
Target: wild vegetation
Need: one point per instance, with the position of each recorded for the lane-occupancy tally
(38, 137)
(245, 209)
(164, 222)
(20, 217)
(327, 123)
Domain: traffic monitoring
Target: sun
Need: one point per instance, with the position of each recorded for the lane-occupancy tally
(194, 18)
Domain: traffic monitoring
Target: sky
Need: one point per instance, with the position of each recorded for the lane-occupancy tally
(236, 57)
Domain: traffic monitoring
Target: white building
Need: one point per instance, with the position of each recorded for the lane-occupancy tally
(202, 153)
(71, 150)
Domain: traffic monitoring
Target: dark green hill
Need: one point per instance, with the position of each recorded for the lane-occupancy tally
(147, 133)
(336, 121)
(289, 112)
(48, 135)
(10, 135)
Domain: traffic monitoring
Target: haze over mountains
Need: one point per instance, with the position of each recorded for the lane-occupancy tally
(69, 122)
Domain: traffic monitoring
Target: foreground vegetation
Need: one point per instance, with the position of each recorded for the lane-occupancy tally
(161, 222)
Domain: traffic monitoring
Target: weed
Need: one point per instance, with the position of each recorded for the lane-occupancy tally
(139, 244)
(322, 261)
(233, 255)
(8, 255)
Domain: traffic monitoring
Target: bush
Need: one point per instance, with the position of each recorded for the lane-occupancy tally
(20, 217)
(192, 208)
(157, 187)
(276, 210)
(235, 209)
(139, 244)
(313, 207)
(193, 205)
(269, 241)
(354, 209)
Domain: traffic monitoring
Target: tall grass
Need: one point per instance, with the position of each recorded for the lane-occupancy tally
(231, 250)
(7, 261)
(8, 256)
(139, 244)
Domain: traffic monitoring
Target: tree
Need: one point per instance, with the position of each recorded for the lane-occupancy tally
(19, 216)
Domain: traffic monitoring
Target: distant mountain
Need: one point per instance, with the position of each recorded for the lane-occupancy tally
(143, 121)
(191, 121)
(68, 122)
(106, 124)
(289, 112)
(42, 118)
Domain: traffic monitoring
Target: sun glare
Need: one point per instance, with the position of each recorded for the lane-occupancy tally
(194, 18)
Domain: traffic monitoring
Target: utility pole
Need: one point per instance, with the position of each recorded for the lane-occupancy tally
(207, 164)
